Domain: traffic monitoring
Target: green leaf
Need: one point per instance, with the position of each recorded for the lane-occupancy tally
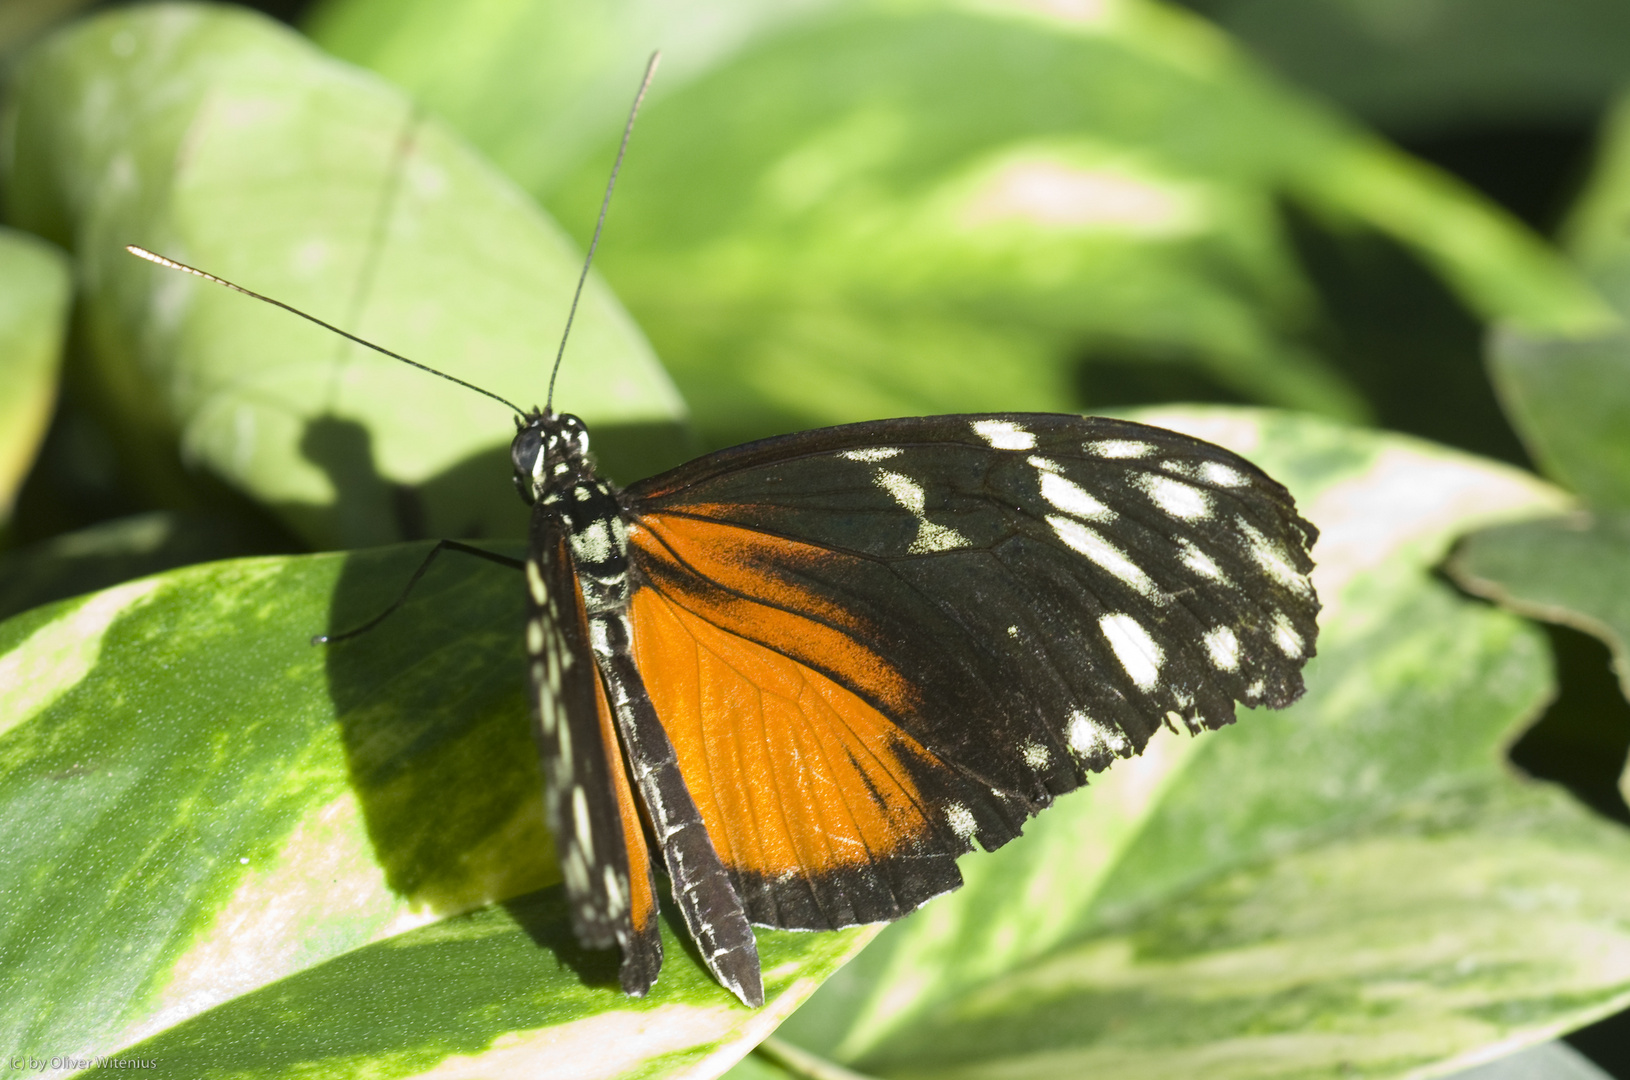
(1568, 394)
(230, 851)
(218, 138)
(1569, 398)
(1447, 64)
(1573, 570)
(539, 85)
(1353, 885)
(1594, 232)
(35, 288)
(113, 551)
(876, 209)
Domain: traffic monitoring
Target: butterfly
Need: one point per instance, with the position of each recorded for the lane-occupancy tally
(802, 676)
(819, 667)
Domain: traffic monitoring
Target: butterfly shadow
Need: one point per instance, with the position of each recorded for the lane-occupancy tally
(544, 917)
(471, 499)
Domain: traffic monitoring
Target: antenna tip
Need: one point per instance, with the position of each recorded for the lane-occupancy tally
(143, 253)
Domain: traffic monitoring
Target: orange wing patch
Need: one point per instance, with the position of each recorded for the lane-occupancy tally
(765, 606)
(796, 778)
(642, 901)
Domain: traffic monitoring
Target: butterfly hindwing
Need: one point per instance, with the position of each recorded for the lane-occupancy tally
(588, 799)
(1008, 602)
(588, 522)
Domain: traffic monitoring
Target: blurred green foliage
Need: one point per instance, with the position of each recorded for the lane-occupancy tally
(227, 849)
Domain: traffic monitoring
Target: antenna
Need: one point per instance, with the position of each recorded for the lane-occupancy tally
(143, 253)
(605, 204)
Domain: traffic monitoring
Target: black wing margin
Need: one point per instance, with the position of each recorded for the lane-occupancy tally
(1026, 596)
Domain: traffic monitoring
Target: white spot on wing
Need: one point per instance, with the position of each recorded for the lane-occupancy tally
(534, 582)
(931, 537)
(1215, 472)
(616, 895)
(906, 491)
(563, 738)
(534, 637)
(1199, 561)
(1104, 554)
(960, 819)
(1044, 464)
(580, 818)
(909, 494)
(1073, 499)
(575, 871)
(872, 453)
(1118, 448)
(1036, 755)
(1083, 734)
(1285, 636)
(1134, 648)
(1175, 497)
(546, 704)
(1090, 739)
(1272, 558)
(1223, 645)
(1004, 434)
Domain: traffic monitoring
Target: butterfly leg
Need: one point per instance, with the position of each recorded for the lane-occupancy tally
(441, 545)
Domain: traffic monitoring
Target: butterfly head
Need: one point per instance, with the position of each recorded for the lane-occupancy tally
(551, 450)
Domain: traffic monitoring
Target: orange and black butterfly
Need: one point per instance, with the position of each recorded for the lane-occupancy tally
(800, 677)
(804, 675)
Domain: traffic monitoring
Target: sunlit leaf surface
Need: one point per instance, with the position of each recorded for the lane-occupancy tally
(864, 209)
(239, 854)
(223, 140)
(35, 288)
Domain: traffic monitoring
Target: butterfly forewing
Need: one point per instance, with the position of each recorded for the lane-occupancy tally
(1009, 602)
